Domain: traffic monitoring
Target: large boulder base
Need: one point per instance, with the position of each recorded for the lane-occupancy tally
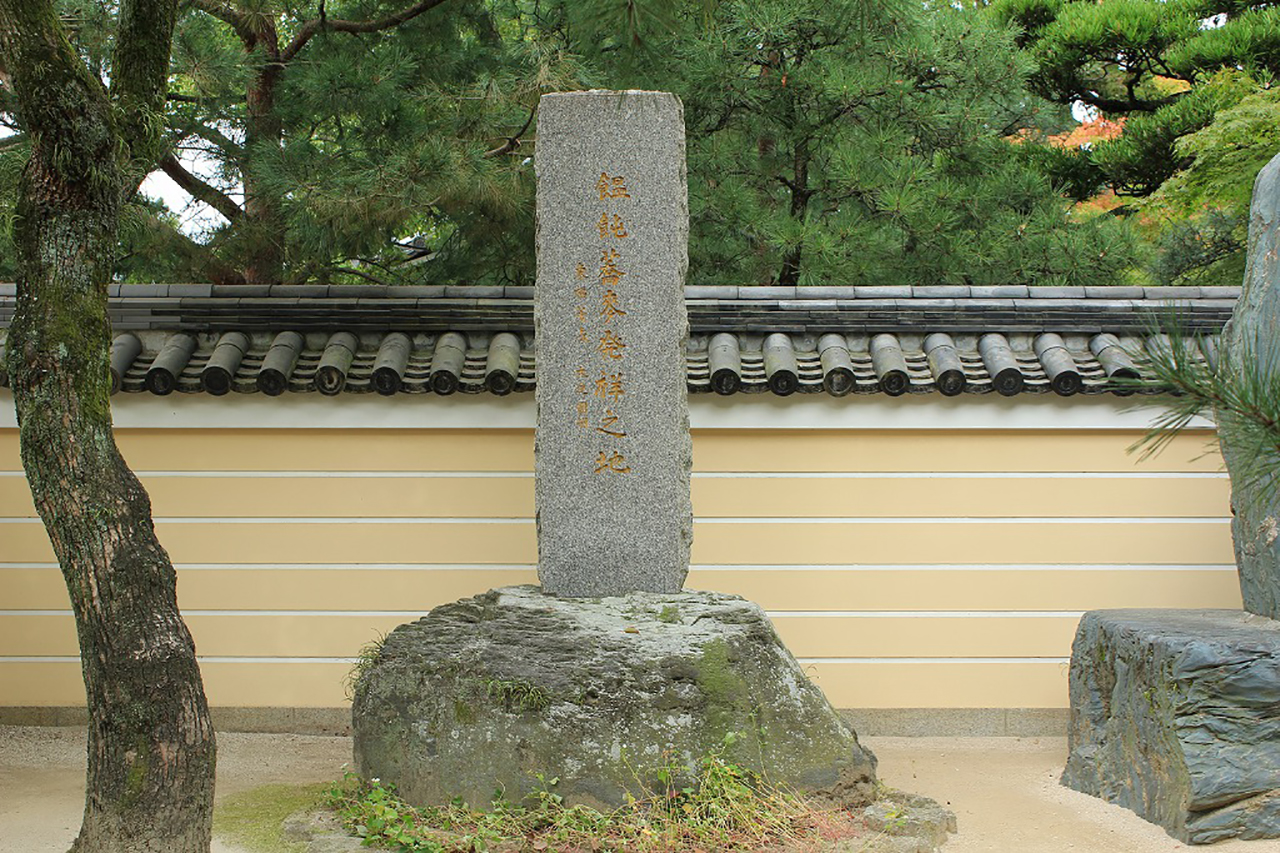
(513, 688)
(1175, 714)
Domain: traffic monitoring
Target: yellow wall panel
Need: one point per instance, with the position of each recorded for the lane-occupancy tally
(1031, 684)
(969, 497)
(239, 635)
(341, 497)
(330, 635)
(974, 589)
(230, 685)
(926, 636)
(974, 542)
(714, 543)
(286, 589)
(866, 660)
(713, 497)
(714, 450)
(40, 684)
(777, 590)
(345, 542)
(947, 684)
(327, 449)
(944, 450)
(9, 458)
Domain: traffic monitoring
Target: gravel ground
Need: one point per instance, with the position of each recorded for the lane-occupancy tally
(1004, 790)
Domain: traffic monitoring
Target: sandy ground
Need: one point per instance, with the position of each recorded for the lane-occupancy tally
(1004, 790)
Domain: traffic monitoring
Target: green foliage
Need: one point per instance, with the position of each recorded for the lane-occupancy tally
(1206, 249)
(718, 807)
(1241, 392)
(365, 659)
(849, 141)
(860, 142)
(1148, 154)
(516, 696)
(1194, 80)
(1200, 215)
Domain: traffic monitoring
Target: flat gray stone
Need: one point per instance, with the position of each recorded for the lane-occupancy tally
(1251, 330)
(490, 691)
(613, 451)
(1175, 714)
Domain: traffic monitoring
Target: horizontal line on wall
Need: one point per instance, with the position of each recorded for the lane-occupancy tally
(850, 567)
(805, 661)
(702, 475)
(200, 658)
(774, 614)
(528, 520)
(332, 660)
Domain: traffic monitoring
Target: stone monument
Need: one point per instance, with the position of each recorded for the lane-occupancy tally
(1254, 332)
(1176, 713)
(613, 448)
(610, 669)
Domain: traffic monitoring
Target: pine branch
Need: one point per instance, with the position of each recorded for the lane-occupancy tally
(200, 260)
(228, 14)
(1133, 104)
(200, 190)
(216, 137)
(513, 142)
(315, 25)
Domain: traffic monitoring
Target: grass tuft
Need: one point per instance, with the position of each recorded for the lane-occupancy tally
(723, 808)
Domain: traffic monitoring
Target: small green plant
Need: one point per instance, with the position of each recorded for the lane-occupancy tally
(716, 806)
(670, 614)
(365, 659)
(516, 696)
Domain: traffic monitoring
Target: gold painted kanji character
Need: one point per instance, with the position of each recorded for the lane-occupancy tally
(609, 425)
(582, 335)
(611, 346)
(612, 186)
(582, 415)
(609, 229)
(580, 271)
(611, 309)
(582, 313)
(613, 462)
(610, 275)
(580, 292)
(609, 386)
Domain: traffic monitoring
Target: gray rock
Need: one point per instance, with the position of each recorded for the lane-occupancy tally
(489, 692)
(1175, 714)
(1254, 329)
(903, 823)
(613, 449)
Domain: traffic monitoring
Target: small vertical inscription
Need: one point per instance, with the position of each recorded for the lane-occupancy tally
(613, 450)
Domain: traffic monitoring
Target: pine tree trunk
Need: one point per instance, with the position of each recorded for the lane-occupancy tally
(151, 744)
(262, 206)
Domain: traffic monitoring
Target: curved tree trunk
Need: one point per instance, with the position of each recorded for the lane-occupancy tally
(151, 745)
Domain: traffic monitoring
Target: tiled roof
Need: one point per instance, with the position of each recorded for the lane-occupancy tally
(838, 340)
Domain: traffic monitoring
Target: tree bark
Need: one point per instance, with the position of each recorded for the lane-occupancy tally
(151, 745)
(262, 206)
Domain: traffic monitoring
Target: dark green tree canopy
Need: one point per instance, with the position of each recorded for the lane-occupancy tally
(845, 142)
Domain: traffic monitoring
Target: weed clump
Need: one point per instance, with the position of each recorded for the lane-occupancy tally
(723, 808)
